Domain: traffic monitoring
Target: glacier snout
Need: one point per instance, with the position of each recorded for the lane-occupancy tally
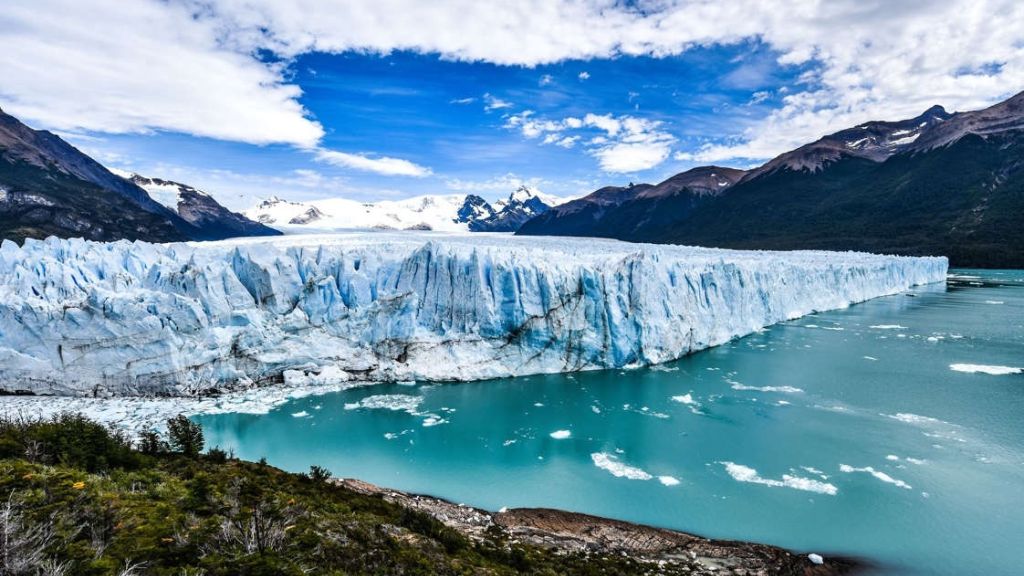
(84, 318)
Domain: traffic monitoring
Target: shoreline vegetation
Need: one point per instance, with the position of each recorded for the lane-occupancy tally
(85, 499)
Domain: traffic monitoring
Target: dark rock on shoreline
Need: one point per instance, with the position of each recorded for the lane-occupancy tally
(667, 551)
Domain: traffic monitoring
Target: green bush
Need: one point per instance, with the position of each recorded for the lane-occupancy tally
(185, 436)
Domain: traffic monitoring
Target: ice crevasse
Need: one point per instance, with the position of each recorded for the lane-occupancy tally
(131, 318)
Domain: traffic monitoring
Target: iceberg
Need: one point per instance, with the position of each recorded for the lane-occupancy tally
(82, 318)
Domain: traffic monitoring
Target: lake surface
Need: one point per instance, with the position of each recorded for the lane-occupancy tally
(845, 432)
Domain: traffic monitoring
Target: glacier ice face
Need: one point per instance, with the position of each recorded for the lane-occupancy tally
(100, 319)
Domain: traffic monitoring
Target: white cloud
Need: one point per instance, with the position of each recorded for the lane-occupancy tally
(628, 144)
(545, 80)
(191, 66)
(462, 101)
(378, 165)
(584, 75)
(504, 183)
(492, 102)
(121, 67)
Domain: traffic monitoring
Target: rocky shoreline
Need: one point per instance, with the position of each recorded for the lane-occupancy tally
(666, 551)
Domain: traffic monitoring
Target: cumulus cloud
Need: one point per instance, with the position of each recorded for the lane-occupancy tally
(379, 165)
(624, 144)
(584, 75)
(186, 65)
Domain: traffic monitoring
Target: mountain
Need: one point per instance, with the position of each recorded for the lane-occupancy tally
(200, 209)
(601, 213)
(445, 213)
(48, 187)
(940, 183)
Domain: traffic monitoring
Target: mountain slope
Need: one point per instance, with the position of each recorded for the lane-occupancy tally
(940, 183)
(215, 222)
(48, 187)
(602, 212)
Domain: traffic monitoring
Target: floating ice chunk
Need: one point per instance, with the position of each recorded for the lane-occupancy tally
(888, 327)
(994, 302)
(302, 414)
(743, 473)
(509, 442)
(781, 389)
(561, 434)
(538, 404)
(876, 473)
(396, 402)
(611, 463)
(913, 418)
(684, 399)
(816, 559)
(872, 358)
(668, 480)
(986, 369)
(433, 420)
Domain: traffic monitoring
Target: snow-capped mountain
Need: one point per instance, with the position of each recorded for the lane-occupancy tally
(186, 319)
(444, 213)
(198, 208)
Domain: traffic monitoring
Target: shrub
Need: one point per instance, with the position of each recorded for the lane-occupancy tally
(185, 435)
(319, 473)
(151, 443)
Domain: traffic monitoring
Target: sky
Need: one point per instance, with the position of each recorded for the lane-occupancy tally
(386, 99)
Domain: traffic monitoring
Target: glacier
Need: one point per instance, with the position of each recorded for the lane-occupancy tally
(89, 319)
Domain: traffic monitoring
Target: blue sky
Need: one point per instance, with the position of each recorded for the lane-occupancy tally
(396, 98)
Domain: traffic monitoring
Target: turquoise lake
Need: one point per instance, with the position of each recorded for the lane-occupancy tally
(847, 432)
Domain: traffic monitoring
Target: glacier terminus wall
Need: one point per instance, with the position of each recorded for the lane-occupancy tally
(131, 318)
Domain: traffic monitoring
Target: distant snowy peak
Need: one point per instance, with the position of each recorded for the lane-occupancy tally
(446, 213)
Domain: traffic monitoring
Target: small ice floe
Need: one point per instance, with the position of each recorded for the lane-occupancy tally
(538, 404)
(816, 559)
(908, 418)
(433, 420)
(509, 442)
(872, 358)
(781, 389)
(888, 327)
(742, 473)
(783, 403)
(561, 434)
(611, 463)
(684, 399)
(396, 402)
(986, 369)
(815, 471)
(595, 409)
(302, 414)
(893, 458)
(876, 473)
(994, 302)
(668, 480)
